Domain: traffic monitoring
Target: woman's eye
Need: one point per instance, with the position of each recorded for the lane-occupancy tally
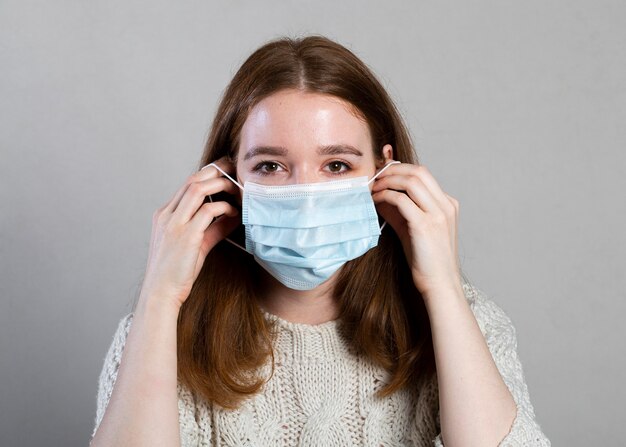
(267, 167)
(337, 166)
(271, 167)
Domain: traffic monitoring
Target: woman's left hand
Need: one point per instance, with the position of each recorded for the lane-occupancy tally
(425, 219)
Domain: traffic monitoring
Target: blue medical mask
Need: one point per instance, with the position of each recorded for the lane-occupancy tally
(303, 233)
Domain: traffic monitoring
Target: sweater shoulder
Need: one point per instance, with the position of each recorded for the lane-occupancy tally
(114, 353)
(494, 322)
(110, 367)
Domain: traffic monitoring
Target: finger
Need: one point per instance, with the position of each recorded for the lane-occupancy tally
(195, 177)
(405, 206)
(224, 167)
(431, 183)
(214, 221)
(194, 197)
(198, 176)
(210, 211)
(425, 176)
(454, 201)
(413, 186)
(214, 231)
(224, 163)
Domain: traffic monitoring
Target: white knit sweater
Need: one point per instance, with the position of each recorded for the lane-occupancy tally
(321, 394)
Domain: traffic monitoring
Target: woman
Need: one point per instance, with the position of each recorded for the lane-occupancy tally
(275, 310)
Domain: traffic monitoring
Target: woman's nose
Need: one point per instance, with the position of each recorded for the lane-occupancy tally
(305, 174)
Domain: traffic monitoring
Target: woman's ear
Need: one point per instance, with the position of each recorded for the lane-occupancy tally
(388, 153)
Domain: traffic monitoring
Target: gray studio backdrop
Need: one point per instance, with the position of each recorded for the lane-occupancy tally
(518, 108)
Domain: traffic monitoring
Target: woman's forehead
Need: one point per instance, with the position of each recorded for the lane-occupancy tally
(294, 119)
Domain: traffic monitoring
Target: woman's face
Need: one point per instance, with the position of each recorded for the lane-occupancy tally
(297, 137)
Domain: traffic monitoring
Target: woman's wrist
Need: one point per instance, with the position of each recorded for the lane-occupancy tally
(451, 292)
(157, 302)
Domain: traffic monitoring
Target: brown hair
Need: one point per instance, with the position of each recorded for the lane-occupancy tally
(222, 334)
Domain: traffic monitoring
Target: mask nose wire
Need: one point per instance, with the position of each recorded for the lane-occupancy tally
(374, 178)
(211, 199)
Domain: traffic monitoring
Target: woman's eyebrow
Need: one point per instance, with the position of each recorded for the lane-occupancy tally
(265, 150)
(331, 149)
(336, 149)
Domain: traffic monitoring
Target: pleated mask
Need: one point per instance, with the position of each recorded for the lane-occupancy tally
(303, 233)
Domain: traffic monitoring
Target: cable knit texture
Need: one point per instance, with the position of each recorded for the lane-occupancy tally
(322, 393)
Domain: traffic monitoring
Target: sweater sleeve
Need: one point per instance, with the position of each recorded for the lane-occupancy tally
(108, 375)
(190, 432)
(501, 338)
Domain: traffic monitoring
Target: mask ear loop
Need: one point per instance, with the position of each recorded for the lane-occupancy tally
(225, 174)
(394, 162)
(211, 198)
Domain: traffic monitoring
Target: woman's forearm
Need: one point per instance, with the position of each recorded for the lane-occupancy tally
(477, 408)
(143, 409)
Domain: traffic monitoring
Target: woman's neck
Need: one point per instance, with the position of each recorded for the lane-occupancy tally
(314, 306)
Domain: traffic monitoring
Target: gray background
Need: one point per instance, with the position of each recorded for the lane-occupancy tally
(518, 108)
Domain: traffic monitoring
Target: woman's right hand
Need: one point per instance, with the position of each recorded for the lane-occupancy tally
(184, 230)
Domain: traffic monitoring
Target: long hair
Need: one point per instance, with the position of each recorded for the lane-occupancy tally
(223, 336)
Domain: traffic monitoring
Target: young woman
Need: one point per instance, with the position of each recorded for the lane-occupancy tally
(303, 287)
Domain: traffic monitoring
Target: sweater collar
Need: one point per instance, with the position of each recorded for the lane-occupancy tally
(331, 325)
